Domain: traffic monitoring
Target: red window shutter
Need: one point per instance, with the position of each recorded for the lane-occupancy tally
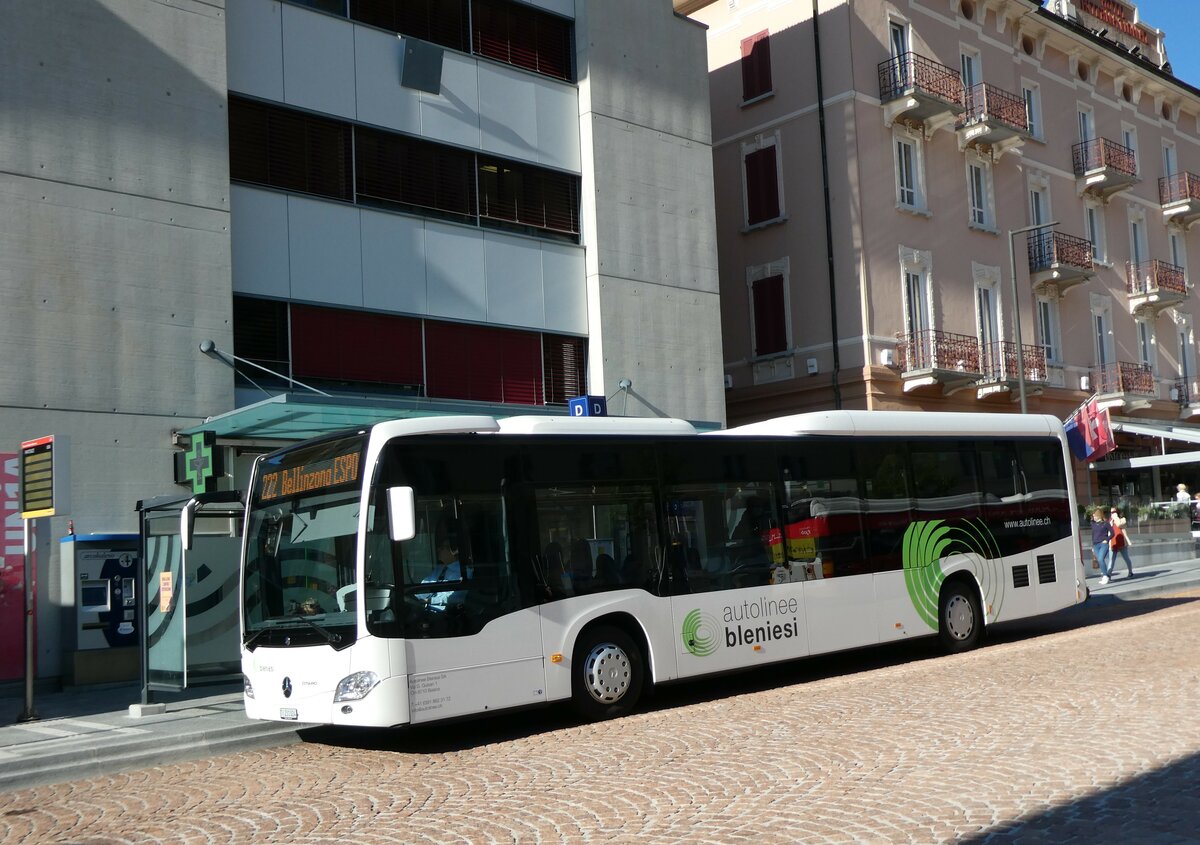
(756, 65)
(762, 186)
(770, 323)
(563, 362)
(483, 363)
(355, 346)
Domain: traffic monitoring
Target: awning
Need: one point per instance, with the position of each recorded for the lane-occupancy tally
(292, 416)
(1163, 431)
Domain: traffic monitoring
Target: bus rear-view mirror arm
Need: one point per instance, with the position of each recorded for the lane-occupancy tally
(402, 514)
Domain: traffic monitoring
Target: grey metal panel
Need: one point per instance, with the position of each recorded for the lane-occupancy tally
(557, 125)
(454, 256)
(564, 288)
(393, 262)
(566, 8)
(259, 235)
(513, 270)
(382, 100)
(325, 248)
(254, 38)
(453, 115)
(318, 62)
(507, 112)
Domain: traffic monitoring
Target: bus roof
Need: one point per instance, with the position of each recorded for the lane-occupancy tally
(595, 425)
(905, 423)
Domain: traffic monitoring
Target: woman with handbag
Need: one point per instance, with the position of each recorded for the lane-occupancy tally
(1119, 544)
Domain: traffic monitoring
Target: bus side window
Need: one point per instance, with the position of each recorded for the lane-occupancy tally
(888, 492)
(822, 526)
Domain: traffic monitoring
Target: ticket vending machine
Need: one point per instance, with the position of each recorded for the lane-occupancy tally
(103, 639)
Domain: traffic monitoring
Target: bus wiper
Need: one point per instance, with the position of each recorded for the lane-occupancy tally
(250, 640)
(330, 636)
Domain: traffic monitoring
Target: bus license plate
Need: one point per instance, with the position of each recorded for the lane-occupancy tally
(289, 713)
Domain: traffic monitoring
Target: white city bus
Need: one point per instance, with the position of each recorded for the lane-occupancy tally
(436, 568)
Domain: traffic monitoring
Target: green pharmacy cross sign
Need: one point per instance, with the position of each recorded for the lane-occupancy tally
(200, 464)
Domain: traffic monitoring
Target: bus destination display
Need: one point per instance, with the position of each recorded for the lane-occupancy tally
(312, 476)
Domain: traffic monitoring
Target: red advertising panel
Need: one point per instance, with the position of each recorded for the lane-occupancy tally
(12, 570)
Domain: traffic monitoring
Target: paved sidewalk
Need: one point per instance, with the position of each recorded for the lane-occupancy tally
(83, 731)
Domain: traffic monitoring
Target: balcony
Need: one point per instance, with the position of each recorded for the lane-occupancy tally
(1058, 262)
(1187, 395)
(1123, 385)
(1103, 167)
(913, 87)
(1000, 374)
(1153, 286)
(1179, 196)
(992, 118)
(938, 359)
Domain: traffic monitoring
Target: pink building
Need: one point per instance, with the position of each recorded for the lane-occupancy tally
(873, 271)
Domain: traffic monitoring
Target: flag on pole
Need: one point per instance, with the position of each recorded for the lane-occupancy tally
(1089, 432)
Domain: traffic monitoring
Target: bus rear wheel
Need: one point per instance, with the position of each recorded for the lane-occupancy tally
(960, 618)
(607, 674)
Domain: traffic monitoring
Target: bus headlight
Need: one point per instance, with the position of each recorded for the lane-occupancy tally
(247, 687)
(355, 687)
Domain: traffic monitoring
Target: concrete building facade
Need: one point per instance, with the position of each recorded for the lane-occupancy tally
(864, 235)
(454, 206)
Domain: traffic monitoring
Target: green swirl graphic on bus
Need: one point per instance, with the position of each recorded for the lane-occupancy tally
(928, 544)
(700, 633)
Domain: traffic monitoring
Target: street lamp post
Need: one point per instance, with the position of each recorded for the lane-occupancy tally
(1012, 275)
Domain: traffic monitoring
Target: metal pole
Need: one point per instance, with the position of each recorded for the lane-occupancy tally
(1012, 275)
(29, 714)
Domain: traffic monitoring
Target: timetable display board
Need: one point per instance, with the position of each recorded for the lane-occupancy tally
(44, 477)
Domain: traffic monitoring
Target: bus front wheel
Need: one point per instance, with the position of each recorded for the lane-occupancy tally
(960, 619)
(607, 674)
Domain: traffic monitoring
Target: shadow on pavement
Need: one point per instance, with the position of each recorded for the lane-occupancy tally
(453, 736)
(1157, 807)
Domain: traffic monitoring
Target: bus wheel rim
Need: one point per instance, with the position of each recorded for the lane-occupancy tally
(960, 619)
(607, 673)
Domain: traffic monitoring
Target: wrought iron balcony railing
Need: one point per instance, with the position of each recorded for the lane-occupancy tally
(1100, 153)
(937, 350)
(1124, 377)
(1048, 248)
(1000, 362)
(914, 73)
(1180, 187)
(1154, 276)
(987, 102)
(1182, 392)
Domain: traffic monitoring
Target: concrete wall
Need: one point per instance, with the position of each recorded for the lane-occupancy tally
(114, 248)
(648, 213)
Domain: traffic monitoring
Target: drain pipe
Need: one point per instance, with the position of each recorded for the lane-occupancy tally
(833, 326)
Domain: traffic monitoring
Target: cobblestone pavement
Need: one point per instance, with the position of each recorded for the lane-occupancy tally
(1082, 728)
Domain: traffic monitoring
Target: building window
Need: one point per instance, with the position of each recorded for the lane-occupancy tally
(1137, 238)
(1033, 108)
(284, 149)
(1170, 162)
(1129, 139)
(289, 150)
(394, 170)
(260, 335)
(528, 197)
(969, 61)
(1039, 205)
(1178, 251)
(756, 66)
(438, 21)
(1102, 341)
(483, 363)
(768, 303)
(1145, 334)
(979, 195)
(346, 348)
(1048, 329)
(987, 315)
(909, 176)
(521, 36)
(564, 367)
(763, 193)
(1093, 225)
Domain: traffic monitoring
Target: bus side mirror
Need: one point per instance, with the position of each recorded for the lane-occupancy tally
(402, 514)
(187, 524)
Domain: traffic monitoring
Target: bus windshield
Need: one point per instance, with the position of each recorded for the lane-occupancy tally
(301, 546)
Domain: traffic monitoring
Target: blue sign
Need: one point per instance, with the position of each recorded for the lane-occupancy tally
(588, 406)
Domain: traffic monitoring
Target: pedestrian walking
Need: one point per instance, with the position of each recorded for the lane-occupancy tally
(1119, 544)
(1102, 532)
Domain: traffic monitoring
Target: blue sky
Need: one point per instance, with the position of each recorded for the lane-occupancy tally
(1180, 20)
